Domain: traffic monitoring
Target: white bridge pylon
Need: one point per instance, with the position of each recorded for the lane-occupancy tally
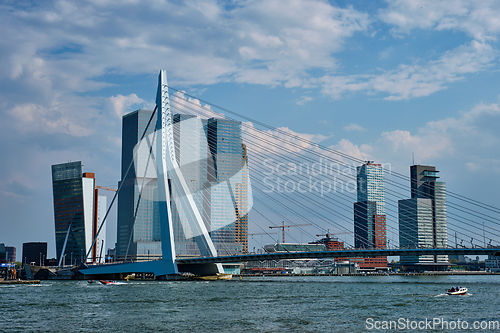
(170, 175)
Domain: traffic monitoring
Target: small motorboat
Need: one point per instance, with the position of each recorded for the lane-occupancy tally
(106, 282)
(91, 281)
(457, 291)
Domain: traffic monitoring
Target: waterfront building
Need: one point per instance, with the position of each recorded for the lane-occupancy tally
(78, 212)
(415, 228)
(138, 225)
(3, 253)
(422, 219)
(194, 159)
(229, 186)
(492, 264)
(10, 253)
(424, 184)
(34, 252)
(369, 214)
(213, 161)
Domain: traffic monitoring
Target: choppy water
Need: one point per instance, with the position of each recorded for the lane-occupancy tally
(264, 304)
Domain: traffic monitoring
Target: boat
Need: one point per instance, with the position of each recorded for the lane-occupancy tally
(91, 281)
(218, 276)
(106, 282)
(457, 291)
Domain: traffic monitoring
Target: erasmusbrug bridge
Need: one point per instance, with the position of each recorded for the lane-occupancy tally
(284, 178)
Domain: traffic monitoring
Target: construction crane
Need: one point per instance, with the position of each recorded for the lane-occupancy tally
(262, 233)
(106, 188)
(283, 226)
(328, 235)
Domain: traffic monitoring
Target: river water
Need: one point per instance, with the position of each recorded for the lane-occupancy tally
(257, 304)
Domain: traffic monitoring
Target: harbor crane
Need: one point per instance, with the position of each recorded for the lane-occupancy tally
(283, 226)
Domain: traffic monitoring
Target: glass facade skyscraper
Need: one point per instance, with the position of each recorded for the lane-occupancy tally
(212, 159)
(369, 213)
(415, 228)
(69, 219)
(229, 186)
(78, 212)
(193, 158)
(424, 185)
(138, 226)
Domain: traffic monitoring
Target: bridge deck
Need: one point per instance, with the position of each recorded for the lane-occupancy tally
(339, 254)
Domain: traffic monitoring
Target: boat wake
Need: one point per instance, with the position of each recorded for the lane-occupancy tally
(445, 294)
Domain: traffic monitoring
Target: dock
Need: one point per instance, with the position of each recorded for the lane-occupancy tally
(19, 282)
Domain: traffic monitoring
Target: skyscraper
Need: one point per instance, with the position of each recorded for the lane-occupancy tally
(76, 212)
(369, 213)
(212, 159)
(138, 226)
(415, 228)
(229, 186)
(193, 157)
(422, 219)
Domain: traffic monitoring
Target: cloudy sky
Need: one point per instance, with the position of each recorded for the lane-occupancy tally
(376, 79)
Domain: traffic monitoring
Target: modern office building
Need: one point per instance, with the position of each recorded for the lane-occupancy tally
(369, 213)
(242, 204)
(11, 253)
(229, 186)
(34, 252)
(422, 219)
(415, 228)
(212, 159)
(3, 253)
(78, 213)
(194, 159)
(138, 225)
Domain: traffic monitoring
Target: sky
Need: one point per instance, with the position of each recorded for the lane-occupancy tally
(381, 80)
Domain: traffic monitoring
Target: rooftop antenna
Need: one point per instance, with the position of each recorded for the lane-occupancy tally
(413, 157)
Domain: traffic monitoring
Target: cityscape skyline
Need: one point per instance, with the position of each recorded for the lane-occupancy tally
(430, 87)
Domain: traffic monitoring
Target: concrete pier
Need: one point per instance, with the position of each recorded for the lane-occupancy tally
(19, 282)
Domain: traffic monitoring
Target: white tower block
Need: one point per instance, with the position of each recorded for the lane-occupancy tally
(168, 169)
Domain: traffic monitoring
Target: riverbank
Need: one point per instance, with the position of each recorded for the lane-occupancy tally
(378, 274)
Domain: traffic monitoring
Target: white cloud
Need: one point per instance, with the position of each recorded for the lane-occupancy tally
(121, 104)
(472, 137)
(479, 19)
(183, 105)
(303, 100)
(354, 127)
(418, 79)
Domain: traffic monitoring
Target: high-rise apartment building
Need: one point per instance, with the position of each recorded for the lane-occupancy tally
(78, 212)
(369, 213)
(212, 159)
(422, 219)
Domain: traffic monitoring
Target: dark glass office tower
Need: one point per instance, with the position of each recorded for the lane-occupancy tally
(69, 217)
